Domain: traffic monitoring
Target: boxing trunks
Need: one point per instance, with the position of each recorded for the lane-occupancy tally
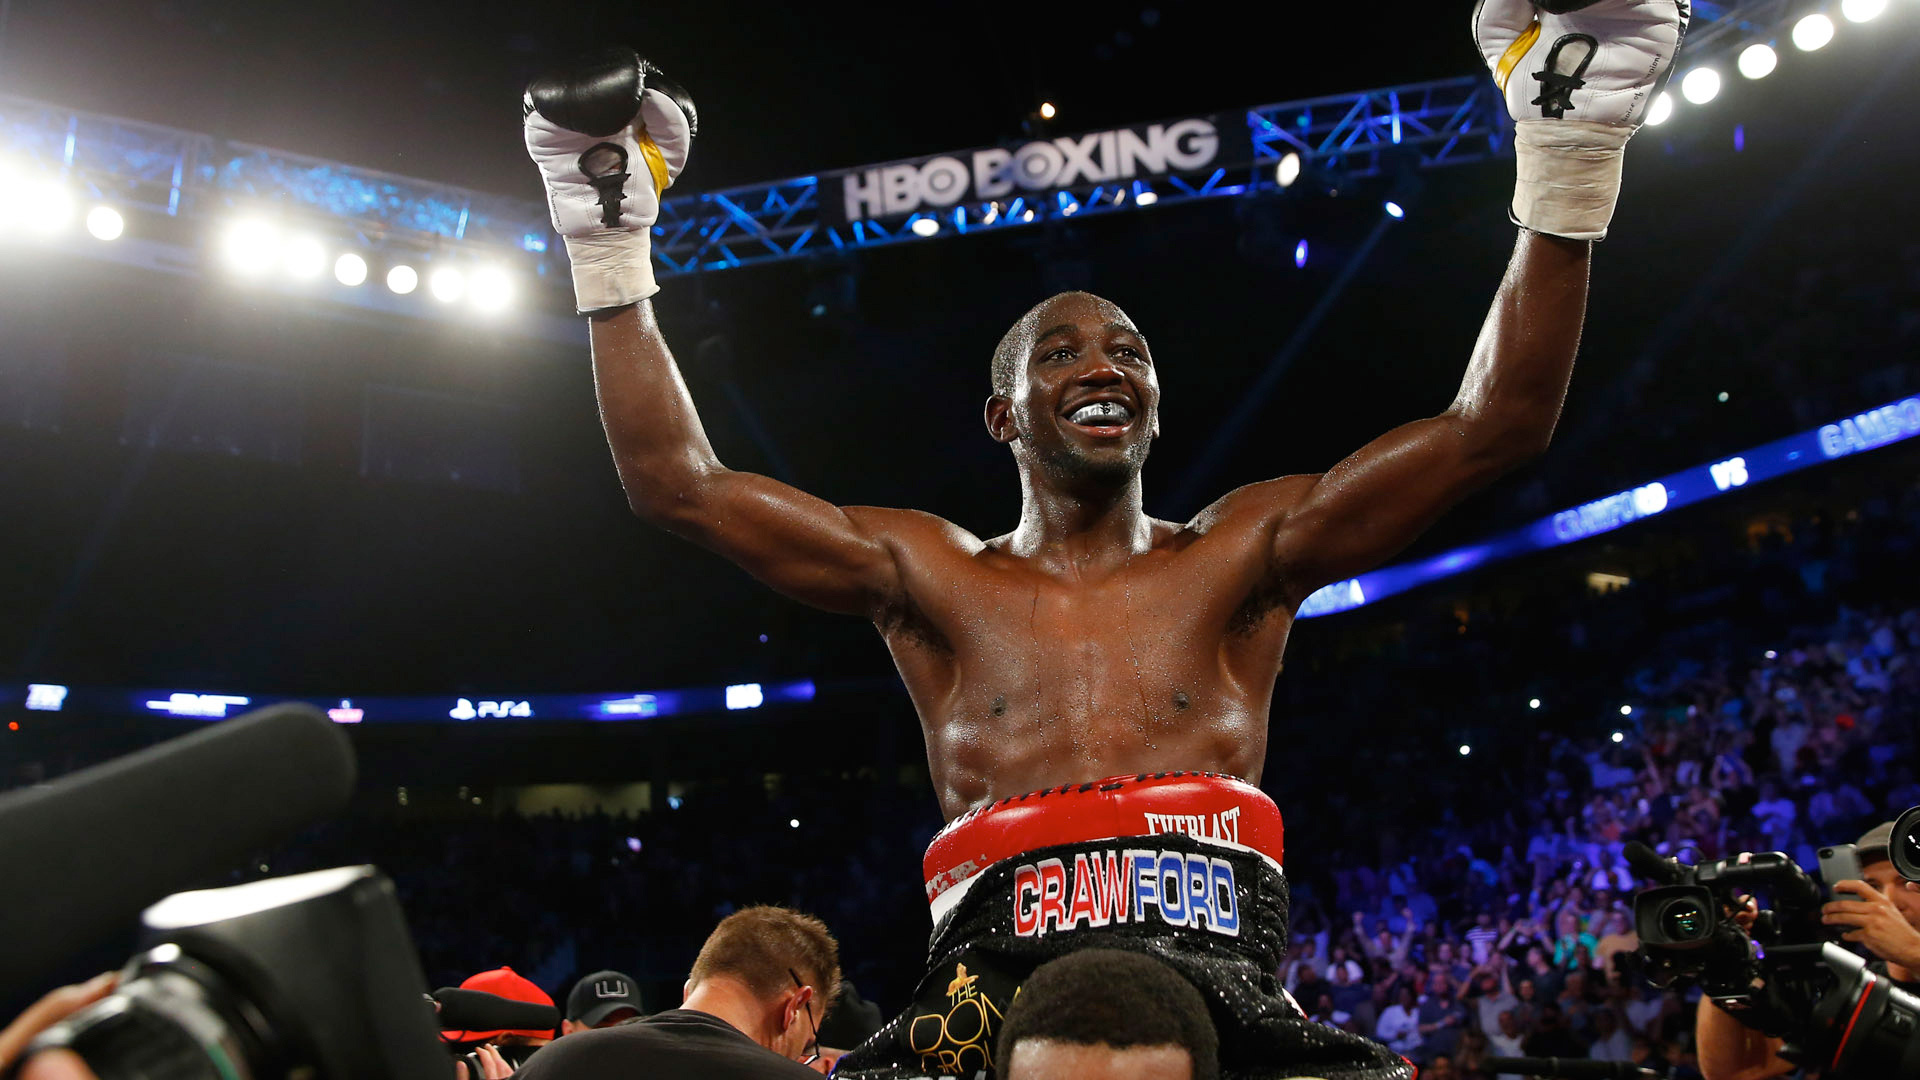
(1184, 867)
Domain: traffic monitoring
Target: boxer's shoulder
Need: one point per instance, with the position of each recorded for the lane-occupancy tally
(914, 532)
(1252, 508)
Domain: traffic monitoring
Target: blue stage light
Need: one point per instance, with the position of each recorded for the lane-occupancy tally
(1394, 210)
(1300, 253)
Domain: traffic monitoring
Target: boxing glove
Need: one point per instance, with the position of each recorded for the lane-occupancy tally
(1579, 77)
(610, 135)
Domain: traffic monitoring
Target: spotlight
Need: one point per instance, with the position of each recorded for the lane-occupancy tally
(447, 284)
(252, 246)
(1860, 11)
(1661, 110)
(1700, 86)
(1288, 170)
(1812, 32)
(1771, 655)
(1300, 254)
(1028, 216)
(1626, 710)
(350, 269)
(43, 206)
(304, 258)
(1394, 210)
(1723, 397)
(1619, 736)
(403, 279)
(1533, 703)
(1047, 111)
(105, 223)
(1145, 198)
(1758, 61)
(491, 289)
(793, 823)
(925, 226)
(1465, 749)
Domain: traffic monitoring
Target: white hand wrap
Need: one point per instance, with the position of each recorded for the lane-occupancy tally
(611, 268)
(1569, 176)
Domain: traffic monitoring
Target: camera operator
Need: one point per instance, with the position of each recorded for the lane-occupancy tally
(1886, 918)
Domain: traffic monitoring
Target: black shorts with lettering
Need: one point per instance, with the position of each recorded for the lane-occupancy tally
(1216, 915)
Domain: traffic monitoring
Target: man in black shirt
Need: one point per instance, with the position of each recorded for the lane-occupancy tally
(751, 1005)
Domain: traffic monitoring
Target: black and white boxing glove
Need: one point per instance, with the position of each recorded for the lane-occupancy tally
(1579, 77)
(610, 135)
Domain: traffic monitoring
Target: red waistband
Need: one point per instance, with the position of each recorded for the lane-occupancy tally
(1207, 806)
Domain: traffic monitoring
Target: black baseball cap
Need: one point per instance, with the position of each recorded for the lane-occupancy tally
(601, 994)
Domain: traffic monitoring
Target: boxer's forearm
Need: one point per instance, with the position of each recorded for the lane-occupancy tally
(658, 444)
(1517, 379)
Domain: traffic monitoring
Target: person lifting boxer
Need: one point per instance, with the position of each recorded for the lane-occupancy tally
(1094, 686)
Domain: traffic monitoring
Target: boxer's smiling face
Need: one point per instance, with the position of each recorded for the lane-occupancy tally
(1077, 394)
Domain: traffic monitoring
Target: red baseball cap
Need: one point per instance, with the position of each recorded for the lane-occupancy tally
(507, 983)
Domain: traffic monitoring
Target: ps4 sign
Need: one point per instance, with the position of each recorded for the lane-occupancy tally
(1138, 152)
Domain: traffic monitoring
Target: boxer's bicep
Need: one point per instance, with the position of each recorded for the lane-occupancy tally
(1369, 507)
(802, 546)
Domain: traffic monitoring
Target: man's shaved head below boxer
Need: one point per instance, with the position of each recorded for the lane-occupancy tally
(1075, 392)
(1112, 1014)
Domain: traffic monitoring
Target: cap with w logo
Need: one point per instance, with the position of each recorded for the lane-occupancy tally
(598, 997)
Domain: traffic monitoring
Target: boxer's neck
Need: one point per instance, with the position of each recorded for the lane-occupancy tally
(1080, 527)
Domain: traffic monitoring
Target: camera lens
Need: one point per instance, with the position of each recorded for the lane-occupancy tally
(1903, 847)
(1685, 920)
(172, 1018)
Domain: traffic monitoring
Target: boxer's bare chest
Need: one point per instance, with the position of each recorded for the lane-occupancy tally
(1026, 676)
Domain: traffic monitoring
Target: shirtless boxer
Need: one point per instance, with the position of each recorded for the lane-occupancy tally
(1093, 641)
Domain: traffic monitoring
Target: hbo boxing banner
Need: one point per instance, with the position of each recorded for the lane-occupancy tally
(1140, 152)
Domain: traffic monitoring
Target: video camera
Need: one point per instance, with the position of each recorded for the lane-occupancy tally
(1784, 975)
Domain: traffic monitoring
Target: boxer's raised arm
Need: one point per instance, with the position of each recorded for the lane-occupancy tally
(611, 134)
(1577, 79)
(1371, 505)
(809, 549)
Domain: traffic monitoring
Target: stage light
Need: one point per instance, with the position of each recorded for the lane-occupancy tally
(1533, 703)
(1047, 111)
(105, 223)
(925, 226)
(252, 245)
(304, 258)
(1661, 110)
(1812, 32)
(1028, 216)
(350, 270)
(1395, 210)
(1860, 11)
(1145, 198)
(447, 284)
(1771, 655)
(793, 823)
(673, 802)
(1288, 170)
(1723, 397)
(1758, 61)
(39, 207)
(403, 279)
(1626, 710)
(1701, 85)
(1465, 749)
(491, 289)
(1619, 736)
(1300, 254)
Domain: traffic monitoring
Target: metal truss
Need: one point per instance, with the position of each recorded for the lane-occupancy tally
(1339, 138)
